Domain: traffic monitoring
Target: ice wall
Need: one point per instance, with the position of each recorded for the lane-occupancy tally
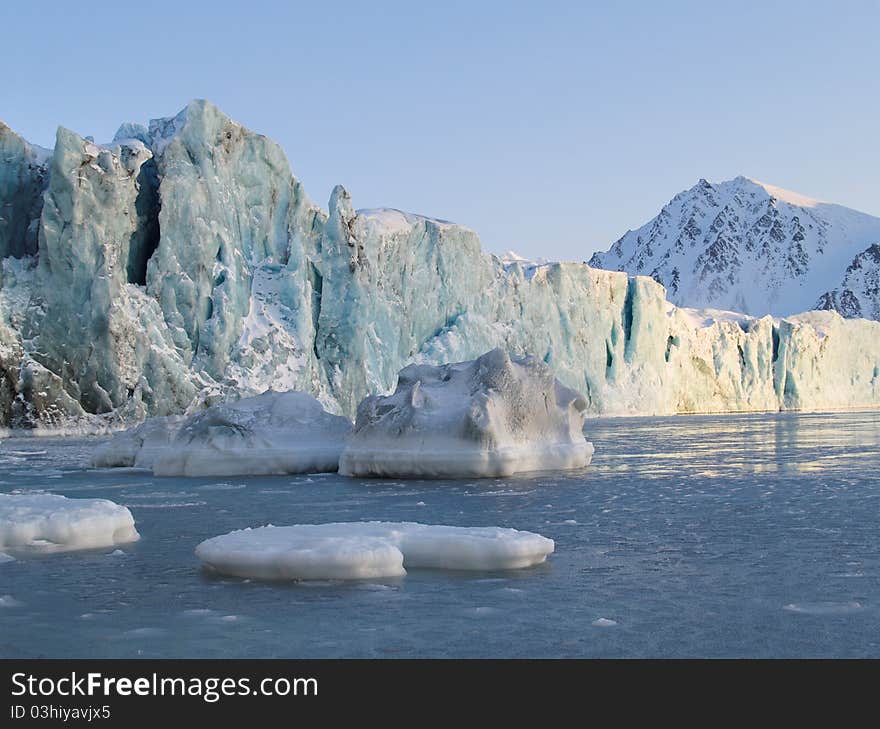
(182, 264)
(23, 176)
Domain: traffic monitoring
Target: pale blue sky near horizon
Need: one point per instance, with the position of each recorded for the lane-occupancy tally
(550, 128)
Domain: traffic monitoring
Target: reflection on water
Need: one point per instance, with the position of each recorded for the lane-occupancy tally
(750, 535)
(732, 446)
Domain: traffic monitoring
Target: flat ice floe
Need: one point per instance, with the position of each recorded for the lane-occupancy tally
(272, 433)
(50, 523)
(490, 417)
(359, 550)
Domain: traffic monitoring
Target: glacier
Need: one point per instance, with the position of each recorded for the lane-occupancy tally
(272, 433)
(182, 265)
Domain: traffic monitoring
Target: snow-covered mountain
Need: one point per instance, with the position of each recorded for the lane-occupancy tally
(747, 246)
(858, 294)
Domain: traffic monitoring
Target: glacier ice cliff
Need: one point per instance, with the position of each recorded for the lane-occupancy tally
(182, 264)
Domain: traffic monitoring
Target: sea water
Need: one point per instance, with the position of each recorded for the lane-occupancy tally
(737, 535)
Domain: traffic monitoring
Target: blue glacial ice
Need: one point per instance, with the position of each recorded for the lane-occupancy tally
(182, 265)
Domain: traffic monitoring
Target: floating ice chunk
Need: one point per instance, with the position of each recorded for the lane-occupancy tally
(6, 558)
(50, 523)
(139, 446)
(492, 416)
(824, 608)
(276, 432)
(8, 601)
(604, 623)
(373, 549)
(272, 433)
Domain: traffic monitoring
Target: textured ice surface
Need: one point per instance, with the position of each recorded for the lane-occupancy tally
(50, 523)
(492, 416)
(358, 550)
(272, 433)
(139, 446)
(183, 264)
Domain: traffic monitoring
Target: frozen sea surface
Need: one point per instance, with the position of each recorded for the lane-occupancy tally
(747, 535)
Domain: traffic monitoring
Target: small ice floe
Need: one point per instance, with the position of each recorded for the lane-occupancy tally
(8, 601)
(363, 550)
(143, 633)
(604, 623)
(50, 523)
(483, 611)
(824, 608)
(570, 522)
(6, 558)
(117, 553)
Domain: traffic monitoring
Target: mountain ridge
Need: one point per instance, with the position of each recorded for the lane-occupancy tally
(746, 245)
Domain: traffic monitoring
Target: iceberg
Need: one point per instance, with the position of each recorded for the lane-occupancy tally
(50, 523)
(362, 550)
(490, 417)
(272, 433)
(138, 447)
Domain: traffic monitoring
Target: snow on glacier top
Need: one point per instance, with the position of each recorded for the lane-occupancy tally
(388, 221)
(164, 129)
(510, 257)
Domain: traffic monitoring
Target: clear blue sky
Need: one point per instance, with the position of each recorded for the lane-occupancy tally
(550, 128)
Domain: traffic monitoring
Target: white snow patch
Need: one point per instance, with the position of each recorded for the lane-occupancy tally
(360, 550)
(50, 523)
